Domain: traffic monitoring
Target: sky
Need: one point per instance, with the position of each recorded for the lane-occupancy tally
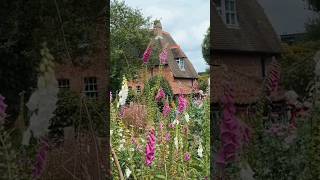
(287, 16)
(186, 20)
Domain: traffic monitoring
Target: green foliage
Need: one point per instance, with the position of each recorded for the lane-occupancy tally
(206, 46)
(169, 156)
(8, 157)
(129, 35)
(297, 66)
(162, 83)
(203, 82)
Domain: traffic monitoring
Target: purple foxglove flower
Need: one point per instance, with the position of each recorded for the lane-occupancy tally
(151, 148)
(166, 109)
(161, 95)
(161, 126)
(171, 125)
(168, 137)
(187, 156)
(147, 54)
(41, 159)
(233, 133)
(183, 103)
(163, 56)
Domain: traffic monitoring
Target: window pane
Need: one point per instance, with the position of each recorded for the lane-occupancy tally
(232, 6)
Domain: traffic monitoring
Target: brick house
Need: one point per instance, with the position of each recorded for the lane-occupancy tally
(244, 42)
(89, 77)
(178, 71)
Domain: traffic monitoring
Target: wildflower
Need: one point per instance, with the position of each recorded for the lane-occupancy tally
(128, 172)
(163, 56)
(176, 143)
(121, 147)
(151, 148)
(200, 150)
(231, 130)
(171, 125)
(166, 110)
(161, 126)
(123, 94)
(168, 137)
(186, 117)
(175, 122)
(147, 54)
(41, 158)
(182, 104)
(187, 156)
(161, 95)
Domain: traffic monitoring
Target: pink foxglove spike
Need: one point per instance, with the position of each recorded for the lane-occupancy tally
(182, 104)
(147, 54)
(41, 159)
(160, 95)
(151, 148)
(166, 109)
(163, 56)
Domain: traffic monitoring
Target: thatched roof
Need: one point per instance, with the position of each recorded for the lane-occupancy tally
(175, 52)
(254, 32)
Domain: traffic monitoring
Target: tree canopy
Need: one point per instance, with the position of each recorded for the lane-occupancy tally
(206, 47)
(129, 38)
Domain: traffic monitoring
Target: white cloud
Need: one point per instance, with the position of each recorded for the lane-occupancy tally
(186, 21)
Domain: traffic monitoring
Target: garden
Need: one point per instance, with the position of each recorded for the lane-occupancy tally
(155, 134)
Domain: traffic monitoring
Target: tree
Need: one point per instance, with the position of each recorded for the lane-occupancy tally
(206, 47)
(297, 66)
(129, 37)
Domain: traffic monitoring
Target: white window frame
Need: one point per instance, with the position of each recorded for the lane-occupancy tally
(230, 13)
(64, 83)
(138, 88)
(181, 64)
(91, 87)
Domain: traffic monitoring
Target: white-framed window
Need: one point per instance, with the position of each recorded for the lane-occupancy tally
(64, 83)
(181, 64)
(90, 87)
(228, 12)
(138, 89)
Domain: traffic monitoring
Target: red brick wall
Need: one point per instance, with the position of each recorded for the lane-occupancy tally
(97, 68)
(247, 64)
(176, 84)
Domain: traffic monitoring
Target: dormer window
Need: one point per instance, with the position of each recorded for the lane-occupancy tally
(181, 64)
(227, 10)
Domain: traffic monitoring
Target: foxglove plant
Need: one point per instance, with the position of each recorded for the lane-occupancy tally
(151, 148)
(160, 95)
(41, 159)
(182, 104)
(147, 54)
(42, 102)
(230, 130)
(123, 94)
(163, 56)
(187, 156)
(166, 109)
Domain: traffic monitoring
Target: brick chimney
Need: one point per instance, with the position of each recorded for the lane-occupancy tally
(157, 27)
